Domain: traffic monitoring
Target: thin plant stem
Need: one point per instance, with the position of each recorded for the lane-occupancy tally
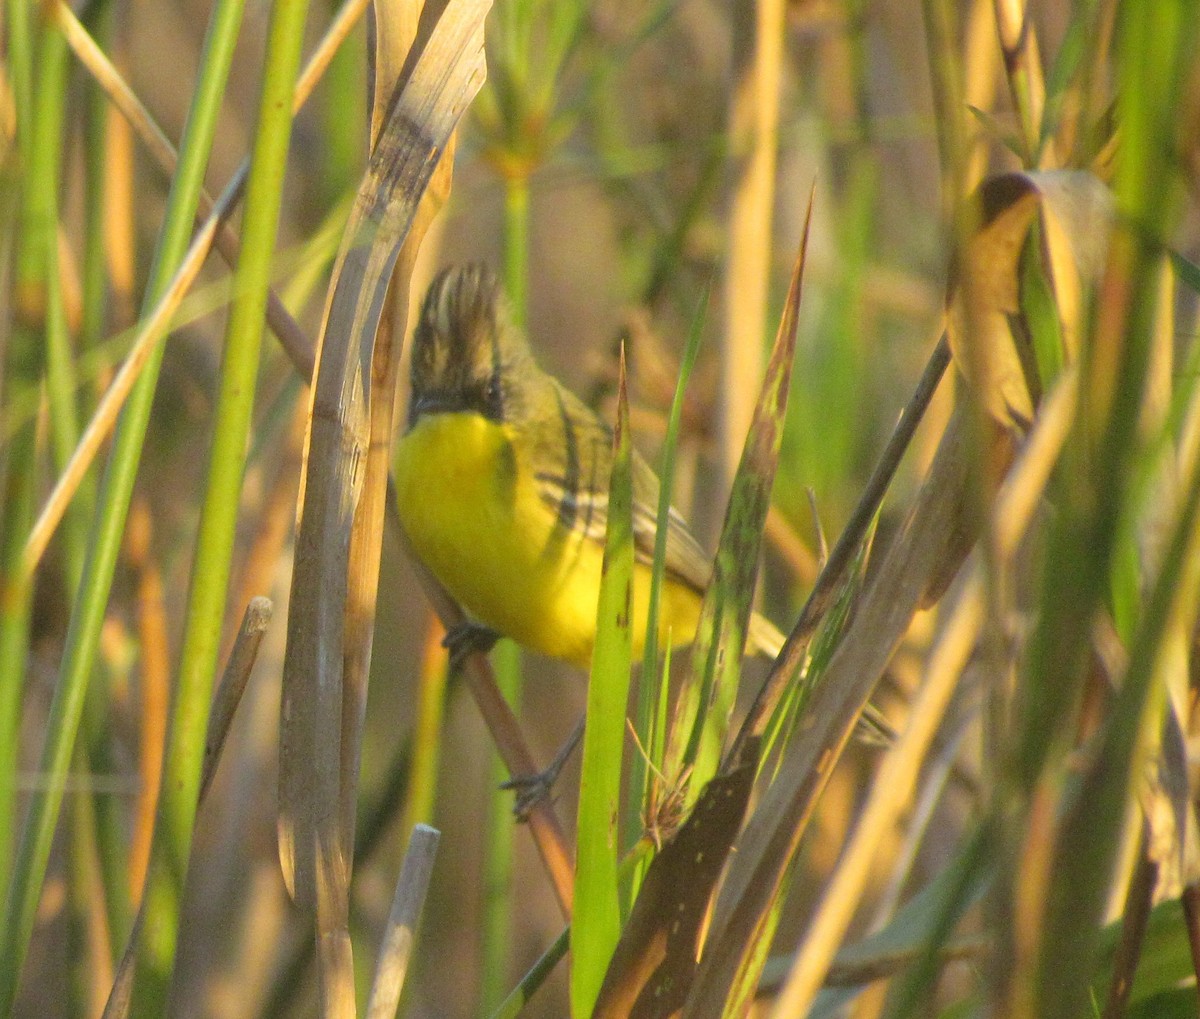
(506, 660)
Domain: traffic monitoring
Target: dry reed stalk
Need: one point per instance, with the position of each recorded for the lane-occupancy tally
(119, 218)
(981, 64)
(754, 128)
(233, 684)
(400, 933)
(344, 489)
(396, 27)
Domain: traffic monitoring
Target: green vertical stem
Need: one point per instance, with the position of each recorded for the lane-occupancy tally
(19, 40)
(218, 515)
(106, 813)
(17, 456)
(516, 245)
(44, 173)
(342, 115)
(506, 662)
(87, 614)
(94, 278)
(17, 492)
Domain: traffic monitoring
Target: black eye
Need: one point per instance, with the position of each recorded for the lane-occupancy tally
(493, 397)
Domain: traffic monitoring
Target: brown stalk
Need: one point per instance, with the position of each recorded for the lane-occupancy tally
(396, 27)
(233, 684)
(1138, 903)
(754, 128)
(328, 628)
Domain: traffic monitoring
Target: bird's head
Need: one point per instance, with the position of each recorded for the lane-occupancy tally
(467, 352)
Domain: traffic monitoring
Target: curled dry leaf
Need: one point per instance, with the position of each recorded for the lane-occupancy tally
(989, 335)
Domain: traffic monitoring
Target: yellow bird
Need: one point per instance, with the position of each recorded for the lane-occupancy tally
(502, 484)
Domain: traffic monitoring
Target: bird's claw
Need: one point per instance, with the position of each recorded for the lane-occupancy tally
(465, 639)
(531, 790)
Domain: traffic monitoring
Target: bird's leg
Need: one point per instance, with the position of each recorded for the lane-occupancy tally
(465, 638)
(532, 788)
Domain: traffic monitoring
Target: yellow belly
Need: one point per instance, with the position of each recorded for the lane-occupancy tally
(474, 516)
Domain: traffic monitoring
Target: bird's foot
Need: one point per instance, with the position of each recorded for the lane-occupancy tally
(465, 639)
(532, 789)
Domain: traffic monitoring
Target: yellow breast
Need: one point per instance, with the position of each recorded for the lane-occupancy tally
(470, 507)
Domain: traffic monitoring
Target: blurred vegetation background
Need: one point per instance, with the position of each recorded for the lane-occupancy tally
(624, 159)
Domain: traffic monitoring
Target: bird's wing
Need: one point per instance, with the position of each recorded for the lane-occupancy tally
(685, 559)
(572, 468)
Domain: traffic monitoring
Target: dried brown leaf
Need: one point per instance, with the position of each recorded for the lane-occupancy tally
(445, 77)
(988, 337)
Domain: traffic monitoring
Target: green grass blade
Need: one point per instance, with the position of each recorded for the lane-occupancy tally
(702, 720)
(23, 368)
(596, 924)
(650, 693)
